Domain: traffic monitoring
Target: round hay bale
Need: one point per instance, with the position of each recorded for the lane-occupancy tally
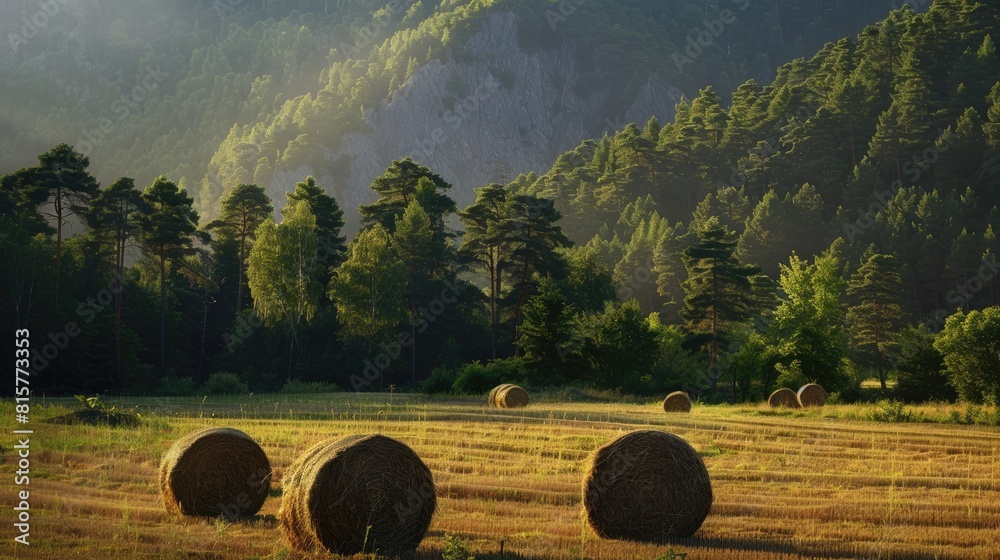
(512, 397)
(783, 397)
(678, 401)
(646, 486)
(811, 395)
(357, 494)
(492, 399)
(215, 472)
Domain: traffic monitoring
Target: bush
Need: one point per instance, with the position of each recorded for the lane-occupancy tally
(456, 548)
(921, 375)
(299, 387)
(978, 415)
(891, 411)
(173, 386)
(225, 383)
(440, 381)
(477, 378)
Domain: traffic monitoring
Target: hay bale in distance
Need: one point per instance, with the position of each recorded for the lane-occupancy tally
(646, 486)
(357, 494)
(678, 401)
(215, 472)
(811, 395)
(512, 397)
(783, 397)
(492, 399)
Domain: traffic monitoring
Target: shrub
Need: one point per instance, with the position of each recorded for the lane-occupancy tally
(440, 381)
(173, 386)
(225, 383)
(455, 548)
(477, 378)
(921, 375)
(891, 411)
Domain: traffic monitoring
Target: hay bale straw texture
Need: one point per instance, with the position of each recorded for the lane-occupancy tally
(512, 396)
(678, 401)
(783, 397)
(215, 472)
(363, 493)
(492, 399)
(646, 486)
(811, 395)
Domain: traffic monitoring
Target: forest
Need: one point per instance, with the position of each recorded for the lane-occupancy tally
(836, 225)
(223, 92)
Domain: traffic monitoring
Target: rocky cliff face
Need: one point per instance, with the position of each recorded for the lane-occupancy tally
(497, 112)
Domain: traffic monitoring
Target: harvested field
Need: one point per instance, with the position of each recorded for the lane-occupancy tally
(786, 484)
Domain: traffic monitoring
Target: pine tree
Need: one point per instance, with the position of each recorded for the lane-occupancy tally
(550, 338)
(168, 231)
(778, 228)
(535, 238)
(904, 129)
(329, 222)
(115, 216)
(486, 244)
(62, 175)
(399, 185)
(874, 318)
(244, 209)
(960, 153)
(589, 284)
(718, 290)
(425, 257)
(989, 174)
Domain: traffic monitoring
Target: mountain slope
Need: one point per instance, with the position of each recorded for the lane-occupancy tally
(258, 91)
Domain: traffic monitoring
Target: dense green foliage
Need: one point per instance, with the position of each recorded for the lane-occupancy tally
(821, 228)
(220, 93)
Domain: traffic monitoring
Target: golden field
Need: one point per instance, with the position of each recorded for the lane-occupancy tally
(787, 485)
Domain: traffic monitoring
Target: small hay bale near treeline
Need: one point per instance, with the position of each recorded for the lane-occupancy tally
(647, 486)
(492, 398)
(678, 401)
(511, 396)
(811, 395)
(215, 472)
(783, 398)
(362, 493)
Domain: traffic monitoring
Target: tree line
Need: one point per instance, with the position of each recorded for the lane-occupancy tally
(834, 226)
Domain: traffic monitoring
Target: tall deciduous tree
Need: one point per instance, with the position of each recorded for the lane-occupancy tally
(329, 223)
(809, 322)
(168, 231)
(370, 288)
(281, 271)
(970, 345)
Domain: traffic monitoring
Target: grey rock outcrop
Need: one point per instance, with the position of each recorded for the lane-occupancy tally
(499, 111)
